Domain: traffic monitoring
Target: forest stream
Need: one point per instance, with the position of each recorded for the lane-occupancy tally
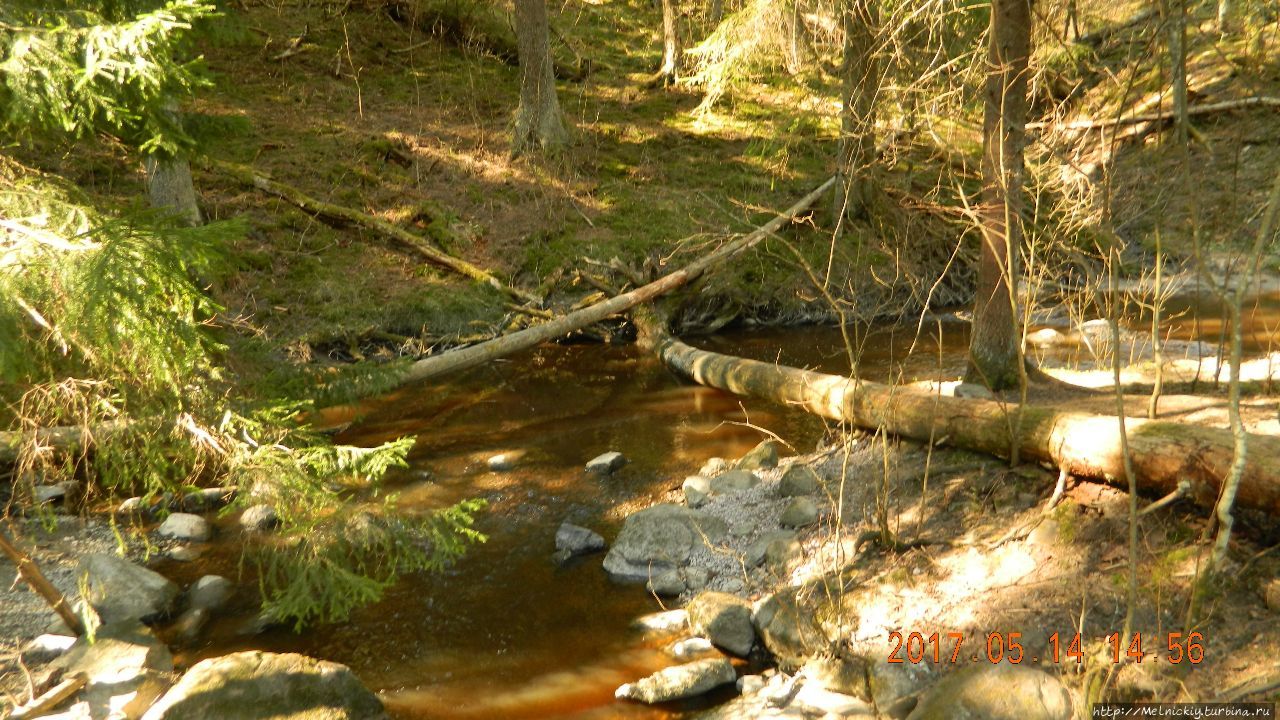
(505, 633)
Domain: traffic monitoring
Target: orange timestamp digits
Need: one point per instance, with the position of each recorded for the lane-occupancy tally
(1000, 647)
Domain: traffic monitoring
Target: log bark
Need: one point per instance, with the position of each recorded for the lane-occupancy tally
(1082, 444)
(400, 238)
(476, 355)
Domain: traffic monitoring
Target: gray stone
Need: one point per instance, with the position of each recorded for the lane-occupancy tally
(185, 553)
(287, 686)
(259, 623)
(723, 619)
(185, 526)
(972, 391)
(762, 457)
(842, 673)
(799, 479)
(781, 552)
(46, 647)
(606, 463)
(259, 518)
(696, 578)
(133, 506)
(801, 511)
(758, 551)
(207, 499)
(734, 481)
(714, 466)
(663, 623)
(502, 462)
(891, 683)
(732, 585)
(210, 592)
(126, 665)
(786, 628)
(120, 590)
(996, 692)
(667, 584)
(750, 684)
(57, 492)
(187, 628)
(678, 682)
(697, 490)
(813, 699)
(578, 540)
(658, 539)
(690, 648)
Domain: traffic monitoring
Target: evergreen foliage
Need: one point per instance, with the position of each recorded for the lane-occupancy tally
(105, 325)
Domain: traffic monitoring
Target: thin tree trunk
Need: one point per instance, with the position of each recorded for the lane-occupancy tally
(1081, 444)
(716, 13)
(169, 185)
(1175, 12)
(670, 42)
(994, 357)
(854, 195)
(539, 123)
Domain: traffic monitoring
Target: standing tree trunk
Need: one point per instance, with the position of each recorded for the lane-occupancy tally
(995, 359)
(539, 122)
(671, 49)
(1176, 23)
(716, 13)
(854, 194)
(169, 185)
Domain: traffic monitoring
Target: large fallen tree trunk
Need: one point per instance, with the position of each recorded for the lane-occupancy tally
(475, 355)
(1082, 444)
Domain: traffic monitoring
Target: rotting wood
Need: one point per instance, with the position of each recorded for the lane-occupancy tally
(400, 238)
(1085, 445)
(1205, 109)
(30, 572)
(475, 355)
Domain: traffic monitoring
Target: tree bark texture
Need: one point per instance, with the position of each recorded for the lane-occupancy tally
(169, 185)
(861, 70)
(670, 42)
(539, 121)
(994, 359)
(1082, 444)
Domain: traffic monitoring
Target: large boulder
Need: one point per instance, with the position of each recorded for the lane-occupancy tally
(678, 682)
(788, 628)
(120, 590)
(658, 539)
(127, 668)
(284, 686)
(723, 619)
(997, 692)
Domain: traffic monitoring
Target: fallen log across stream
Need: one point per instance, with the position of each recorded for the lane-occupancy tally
(1083, 444)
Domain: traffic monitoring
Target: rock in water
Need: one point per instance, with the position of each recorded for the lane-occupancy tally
(996, 692)
(800, 512)
(210, 593)
(185, 526)
(127, 668)
(658, 539)
(119, 590)
(606, 463)
(734, 481)
(259, 518)
(725, 620)
(798, 480)
(269, 685)
(577, 540)
(682, 681)
(663, 623)
(762, 457)
(668, 584)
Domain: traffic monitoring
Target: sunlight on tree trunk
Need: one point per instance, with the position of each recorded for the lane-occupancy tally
(994, 357)
(539, 121)
(169, 185)
(670, 41)
(861, 20)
